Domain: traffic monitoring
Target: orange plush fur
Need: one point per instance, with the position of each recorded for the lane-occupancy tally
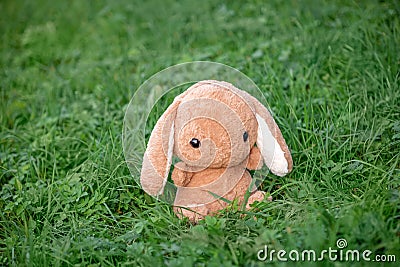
(219, 133)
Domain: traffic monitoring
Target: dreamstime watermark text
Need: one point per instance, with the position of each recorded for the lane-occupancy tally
(332, 254)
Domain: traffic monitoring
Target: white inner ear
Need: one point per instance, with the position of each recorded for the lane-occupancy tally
(169, 157)
(273, 155)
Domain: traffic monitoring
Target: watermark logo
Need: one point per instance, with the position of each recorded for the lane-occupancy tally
(340, 253)
(175, 141)
(341, 243)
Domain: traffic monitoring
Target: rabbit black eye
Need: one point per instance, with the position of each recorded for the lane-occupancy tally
(195, 143)
(245, 136)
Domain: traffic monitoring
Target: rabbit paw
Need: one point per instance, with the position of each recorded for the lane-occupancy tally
(194, 215)
(257, 196)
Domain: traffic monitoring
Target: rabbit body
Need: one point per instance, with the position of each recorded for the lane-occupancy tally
(219, 133)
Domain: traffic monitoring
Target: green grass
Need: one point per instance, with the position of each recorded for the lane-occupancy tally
(329, 70)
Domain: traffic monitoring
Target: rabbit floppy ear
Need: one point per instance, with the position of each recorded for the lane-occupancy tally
(158, 156)
(271, 143)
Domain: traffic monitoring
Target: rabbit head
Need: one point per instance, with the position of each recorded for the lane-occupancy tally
(212, 125)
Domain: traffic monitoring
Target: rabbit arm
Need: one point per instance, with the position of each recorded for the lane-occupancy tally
(255, 159)
(180, 176)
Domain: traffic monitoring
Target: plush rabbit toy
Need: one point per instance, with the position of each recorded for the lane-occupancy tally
(212, 128)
